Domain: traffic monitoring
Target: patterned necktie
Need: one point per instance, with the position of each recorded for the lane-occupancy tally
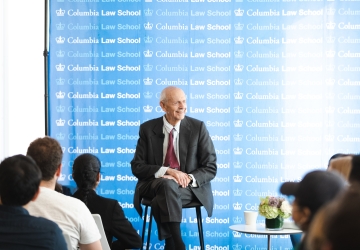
(170, 158)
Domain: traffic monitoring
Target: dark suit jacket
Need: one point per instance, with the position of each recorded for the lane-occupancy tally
(114, 221)
(196, 152)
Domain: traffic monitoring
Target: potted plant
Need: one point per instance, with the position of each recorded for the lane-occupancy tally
(275, 210)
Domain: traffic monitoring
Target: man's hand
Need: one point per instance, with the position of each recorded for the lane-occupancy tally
(180, 177)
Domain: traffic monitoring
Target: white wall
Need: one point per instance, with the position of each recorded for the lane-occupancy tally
(21, 75)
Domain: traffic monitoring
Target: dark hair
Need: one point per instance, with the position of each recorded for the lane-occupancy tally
(85, 170)
(48, 154)
(343, 223)
(19, 180)
(354, 175)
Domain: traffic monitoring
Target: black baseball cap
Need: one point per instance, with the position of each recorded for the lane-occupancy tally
(315, 189)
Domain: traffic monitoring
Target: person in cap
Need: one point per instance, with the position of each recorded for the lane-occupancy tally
(316, 189)
(339, 223)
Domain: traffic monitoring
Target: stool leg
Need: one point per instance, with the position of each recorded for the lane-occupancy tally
(199, 222)
(149, 232)
(144, 225)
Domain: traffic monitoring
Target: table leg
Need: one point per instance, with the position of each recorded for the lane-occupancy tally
(269, 243)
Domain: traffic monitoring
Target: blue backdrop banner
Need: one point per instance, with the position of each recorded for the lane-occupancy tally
(275, 81)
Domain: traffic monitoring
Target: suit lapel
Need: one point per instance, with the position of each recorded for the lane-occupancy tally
(157, 142)
(185, 133)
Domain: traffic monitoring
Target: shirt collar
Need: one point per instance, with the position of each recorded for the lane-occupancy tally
(168, 127)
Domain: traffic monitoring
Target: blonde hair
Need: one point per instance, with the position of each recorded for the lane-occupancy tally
(342, 165)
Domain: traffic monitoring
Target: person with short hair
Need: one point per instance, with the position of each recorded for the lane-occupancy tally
(19, 184)
(316, 189)
(72, 216)
(86, 174)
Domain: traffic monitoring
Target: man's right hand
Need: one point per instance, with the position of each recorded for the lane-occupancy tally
(180, 177)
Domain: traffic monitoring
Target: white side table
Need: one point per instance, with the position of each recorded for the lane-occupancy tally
(260, 229)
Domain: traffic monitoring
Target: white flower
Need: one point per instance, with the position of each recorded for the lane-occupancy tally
(285, 207)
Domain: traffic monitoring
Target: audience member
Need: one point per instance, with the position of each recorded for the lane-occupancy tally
(86, 174)
(335, 156)
(19, 184)
(315, 190)
(72, 216)
(340, 223)
(341, 165)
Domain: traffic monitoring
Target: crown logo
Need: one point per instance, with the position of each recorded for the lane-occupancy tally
(147, 108)
(148, 26)
(238, 81)
(237, 151)
(329, 110)
(147, 81)
(60, 12)
(60, 108)
(330, 39)
(148, 39)
(237, 206)
(237, 192)
(330, 67)
(238, 137)
(60, 1)
(148, 53)
(60, 26)
(60, 53)
(236, 235)
(60, 81)
(237, 246)
(148, 67)
(329, 138)
(330, 81)
(60, 136)
(330, 26)
(237, 178)
(239, 40)
(148, 1)
(60, 40)
(148, 12)
(62, 177)
(238, 54)
(330, 96)
(60, 122)
(60, 67)
(237, 164)
(238, 123)
(239, 12)
(238, 67)
(63, 149)
(238, 109)
(237, 219)
(330, 53)
(238, 95)
(238, 1)
(60, 95)
(238, 26)
(330, 11)
(148, 95)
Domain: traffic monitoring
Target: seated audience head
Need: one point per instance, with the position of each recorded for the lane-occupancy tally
(335, 156)
(341, 222)
(342, 165)
(86, 174)
(316, 189)
(48, 154)
(19, 180)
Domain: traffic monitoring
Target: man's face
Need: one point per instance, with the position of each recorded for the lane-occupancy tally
(175, 106)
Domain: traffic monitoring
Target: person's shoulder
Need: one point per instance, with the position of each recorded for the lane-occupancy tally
(45, 223)
(152, 122)
(192, 122)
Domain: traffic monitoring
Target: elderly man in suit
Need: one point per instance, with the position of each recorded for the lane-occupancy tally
(174, 162)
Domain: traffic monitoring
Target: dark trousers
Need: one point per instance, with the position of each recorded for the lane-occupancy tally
(167, 201)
